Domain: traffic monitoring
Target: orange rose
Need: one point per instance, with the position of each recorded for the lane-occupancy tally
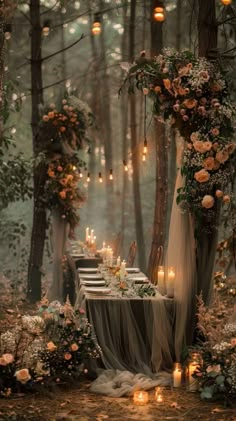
(51, 174)
(207, 146)
(182, 91)
(199, 146)
(226, 199)
(62, 129)
(167, 83)
(202, 176)
(62, 194)
(219, 193)
(74, 347)
(67, 356)
(190, 103)
(208, 201)
(6, 359)
(51, 114)
(209, 163)
(51, 346)
(222, 156)
(22, 375)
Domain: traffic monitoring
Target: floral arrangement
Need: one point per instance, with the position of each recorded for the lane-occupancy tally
(217, 375)
(194, 94)
(46, 349)
(62, 188)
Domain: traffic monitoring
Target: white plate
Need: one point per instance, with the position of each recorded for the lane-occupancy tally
(98, 291)
(78, 255)
(132, 270)
(91, 276)
(94, 282)
(87, 270)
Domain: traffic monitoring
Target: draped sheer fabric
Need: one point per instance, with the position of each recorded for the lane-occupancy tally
(181, 255)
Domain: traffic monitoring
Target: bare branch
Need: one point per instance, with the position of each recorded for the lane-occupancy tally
(64, 49)
(54, 84)
(50, 8)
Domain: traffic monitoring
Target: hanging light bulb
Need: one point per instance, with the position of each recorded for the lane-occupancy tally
(226, 2)
(159, 11)
(111, 175)
(100, 177)
(46, 28)
(7, 31)
(88, 177)
(74, 167)
(144, 157)
(80, 174)
(97, 25)
(145, 147)
(125, 166)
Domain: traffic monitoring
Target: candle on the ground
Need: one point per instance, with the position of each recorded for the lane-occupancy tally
(140, 397)
(177, 374)
(158, 395)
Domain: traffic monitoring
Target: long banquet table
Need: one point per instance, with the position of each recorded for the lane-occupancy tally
(134, 333)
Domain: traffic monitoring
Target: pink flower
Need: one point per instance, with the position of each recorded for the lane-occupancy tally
(216, 368)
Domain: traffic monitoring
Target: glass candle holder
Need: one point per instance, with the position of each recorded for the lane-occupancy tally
(140, 397)
(194, 363)
(158, 395)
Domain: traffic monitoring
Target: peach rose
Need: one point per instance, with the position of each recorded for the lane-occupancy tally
(51, 174)
(216, 165)
(59, 168)
(62, 194)
(230, 148)
(190, 103)
(209, 163)
(226, 199)
(204, 75)
(233, 341)
(202, 176)
(184, 71)
(167, 83)
(222, 156)
(6, 359)
(199, 146)
(45, 118)
(182, 91)
(51, 114)
(208, 201)
(215, 131)
(194, 136)
(74, 347)
(62, 129)
(215, 87)
(23, 375)
(145, 91)
(219, 193)
(207, 146)
(67, 356)
(51, 346)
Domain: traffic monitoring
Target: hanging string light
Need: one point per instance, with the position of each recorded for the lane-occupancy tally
(100, 177)
(97, 24)
(46, 28)
(125, 165)
(226, 2)
(80, 174)
(111, 175)
(159, 11)
(144, 157)
(7, 31)
(145, 127)
(88, 177)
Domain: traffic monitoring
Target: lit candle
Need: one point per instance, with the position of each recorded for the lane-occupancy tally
(118, 261)
(158, 395)
(170, 282)
(177, 375)
(161, 280)
(122, 270)
(89, 239)
(140, 397)
(92, 235)
(193, 383)
(103, 244)
(86, 234)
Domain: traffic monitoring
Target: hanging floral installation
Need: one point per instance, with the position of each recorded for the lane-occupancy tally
(193, 94)
(46, 349)
(62, 133)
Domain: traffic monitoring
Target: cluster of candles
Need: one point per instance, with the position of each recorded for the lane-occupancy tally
(166, 281)
(141, 397)
(90, 238)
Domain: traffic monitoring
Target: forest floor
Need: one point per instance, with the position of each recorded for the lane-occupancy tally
(79, 404)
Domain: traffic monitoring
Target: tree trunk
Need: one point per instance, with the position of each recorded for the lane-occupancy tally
(207, 29)
(178, 24)
(39, 217)
(135, 151)
(160, 212)
(107, 128)
(207, 242)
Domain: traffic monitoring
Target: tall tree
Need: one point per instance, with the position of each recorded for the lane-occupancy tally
(135, 150)
(207, 242)
(39, 211)
(159, 223)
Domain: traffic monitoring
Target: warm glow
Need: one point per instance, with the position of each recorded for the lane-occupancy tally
(140, 397)
(74, 167)
(158, 16)
(100, 178)
(96, 28)
(144, 157)
(7, 35)
(80, 174)
(226, 2)
(111, 175)
(45, 31)
(158, 395)
(145, 147)
(88, 177)
(125, 166)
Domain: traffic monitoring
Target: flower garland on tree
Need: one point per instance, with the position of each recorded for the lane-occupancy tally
(62, 131)
(194, 94)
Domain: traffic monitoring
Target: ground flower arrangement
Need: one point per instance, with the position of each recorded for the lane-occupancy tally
(193, 94)
(50, 348)
(217, 374)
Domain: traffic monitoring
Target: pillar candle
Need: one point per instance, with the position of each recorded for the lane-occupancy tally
(92, 235)
(86, 234)
(170, 282)
(177, 375)
(161, 280)
(122, 270)
(118, 261)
